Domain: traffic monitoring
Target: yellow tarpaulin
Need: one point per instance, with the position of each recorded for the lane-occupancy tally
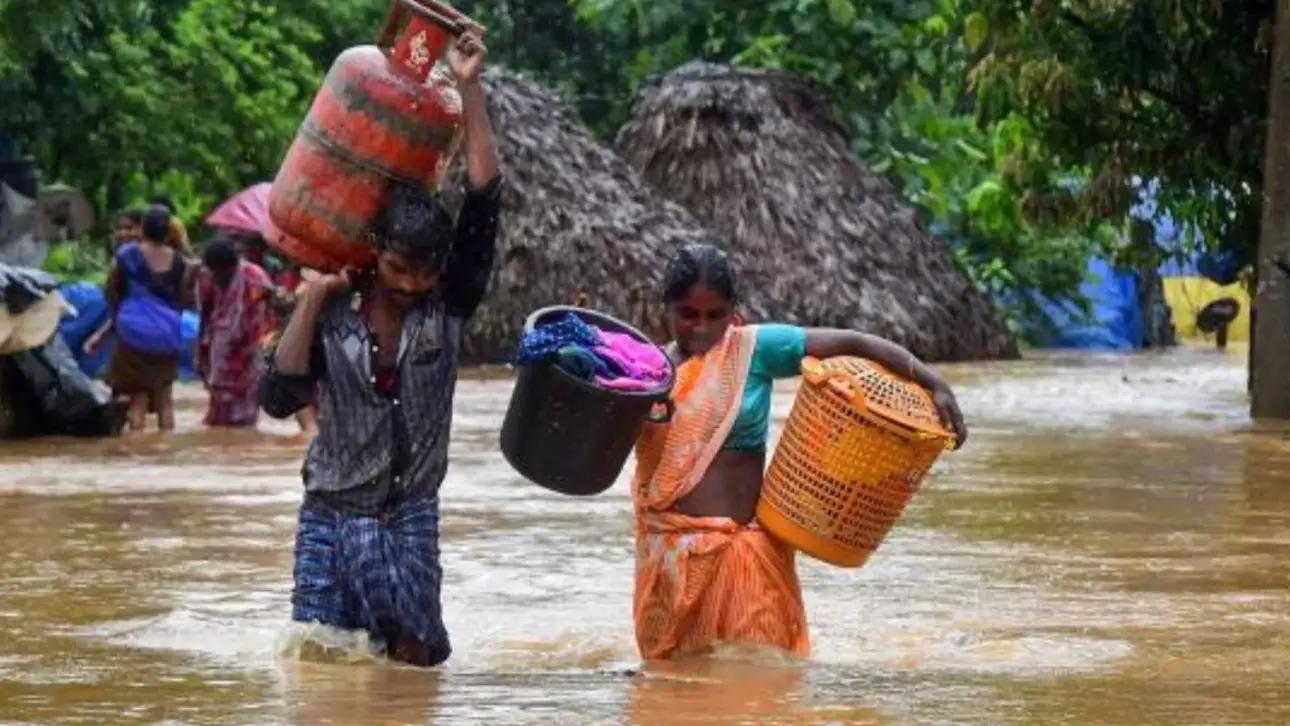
(1186, 296)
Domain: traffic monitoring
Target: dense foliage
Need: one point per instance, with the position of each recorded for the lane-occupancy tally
(1174, 92)
(1017, 127)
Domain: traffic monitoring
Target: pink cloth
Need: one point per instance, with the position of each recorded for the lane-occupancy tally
(644, 364)
(627, 384)
(235, 321)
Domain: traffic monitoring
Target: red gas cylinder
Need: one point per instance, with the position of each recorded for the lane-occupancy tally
(384, 114)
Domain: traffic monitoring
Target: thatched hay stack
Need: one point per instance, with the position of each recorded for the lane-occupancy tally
(760, 160)
(579, 225)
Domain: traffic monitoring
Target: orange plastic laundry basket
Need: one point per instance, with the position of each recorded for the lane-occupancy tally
(856, 447)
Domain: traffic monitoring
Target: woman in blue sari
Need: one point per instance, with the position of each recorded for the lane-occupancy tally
(148, 287)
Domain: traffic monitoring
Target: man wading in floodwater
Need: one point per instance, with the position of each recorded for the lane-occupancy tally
(381, 348)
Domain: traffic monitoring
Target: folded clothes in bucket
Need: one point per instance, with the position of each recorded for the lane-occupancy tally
(609, 359)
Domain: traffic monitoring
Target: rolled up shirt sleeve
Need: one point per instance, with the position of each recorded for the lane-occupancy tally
(285, 394)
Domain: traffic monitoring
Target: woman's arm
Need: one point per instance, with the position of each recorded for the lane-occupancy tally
(113, 293)
(828, 343)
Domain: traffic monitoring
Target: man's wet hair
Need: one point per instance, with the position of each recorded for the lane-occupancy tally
(416, 225)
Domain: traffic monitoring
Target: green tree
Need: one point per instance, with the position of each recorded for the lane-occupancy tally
(1140, 90)
(121, 99)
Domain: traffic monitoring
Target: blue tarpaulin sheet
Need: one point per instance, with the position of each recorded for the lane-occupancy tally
(76, 328)
(1115, 323)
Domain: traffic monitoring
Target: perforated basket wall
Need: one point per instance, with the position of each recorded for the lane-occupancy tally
(857, 445)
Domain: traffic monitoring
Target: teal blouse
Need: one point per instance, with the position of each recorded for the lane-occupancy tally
(778, 353)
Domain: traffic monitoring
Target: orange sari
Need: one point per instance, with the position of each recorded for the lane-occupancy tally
(703, 580)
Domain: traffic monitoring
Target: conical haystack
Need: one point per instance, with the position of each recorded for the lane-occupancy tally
(578, 223)
(820, 240)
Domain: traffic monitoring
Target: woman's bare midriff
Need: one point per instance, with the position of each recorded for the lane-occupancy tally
(729, 489)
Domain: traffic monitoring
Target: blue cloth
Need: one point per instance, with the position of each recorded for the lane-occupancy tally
(91, 310)
(777, 353)
(1116, 323)
(375, 573)
(149, 317)
(190, 328)
(544, 341)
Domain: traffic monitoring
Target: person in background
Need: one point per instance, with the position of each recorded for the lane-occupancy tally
(235, 303)
(705, 571)
(128, 227)
(178, 235)
(148, 286)
(380, 349)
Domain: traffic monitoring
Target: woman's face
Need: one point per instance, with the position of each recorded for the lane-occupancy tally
(699, 319)
(126, 230)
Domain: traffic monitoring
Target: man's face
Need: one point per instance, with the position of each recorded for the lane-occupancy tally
(405, 284)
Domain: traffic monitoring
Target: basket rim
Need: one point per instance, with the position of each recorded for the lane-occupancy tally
(877, 412)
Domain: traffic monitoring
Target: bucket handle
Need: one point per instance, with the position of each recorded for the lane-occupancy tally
(657, 417)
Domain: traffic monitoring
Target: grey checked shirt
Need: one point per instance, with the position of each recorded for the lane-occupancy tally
(373, 447)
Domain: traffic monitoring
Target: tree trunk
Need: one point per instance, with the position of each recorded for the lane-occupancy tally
(1270, 362)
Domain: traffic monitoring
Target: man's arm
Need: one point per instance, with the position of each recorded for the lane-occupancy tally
(481, 151)
(470, 264)
(294, 367)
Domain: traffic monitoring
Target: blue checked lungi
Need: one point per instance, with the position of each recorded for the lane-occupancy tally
(375, 573)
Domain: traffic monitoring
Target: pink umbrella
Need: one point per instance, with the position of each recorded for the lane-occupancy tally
(246, 211)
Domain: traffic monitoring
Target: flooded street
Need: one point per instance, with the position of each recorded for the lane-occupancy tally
(1112, 547)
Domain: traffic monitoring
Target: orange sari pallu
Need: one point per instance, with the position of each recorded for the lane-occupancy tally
(704, 580)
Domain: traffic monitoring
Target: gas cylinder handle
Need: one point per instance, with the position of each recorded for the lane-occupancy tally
(428, 9)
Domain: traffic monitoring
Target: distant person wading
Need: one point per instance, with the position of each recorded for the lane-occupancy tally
(235, 299)
(149, 284)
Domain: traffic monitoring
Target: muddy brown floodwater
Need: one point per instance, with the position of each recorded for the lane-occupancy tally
(1113, 547)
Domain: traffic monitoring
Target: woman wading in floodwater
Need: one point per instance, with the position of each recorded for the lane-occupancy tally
(148, 287)
(705, 571)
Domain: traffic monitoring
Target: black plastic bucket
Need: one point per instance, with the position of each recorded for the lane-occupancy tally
(570, 435)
